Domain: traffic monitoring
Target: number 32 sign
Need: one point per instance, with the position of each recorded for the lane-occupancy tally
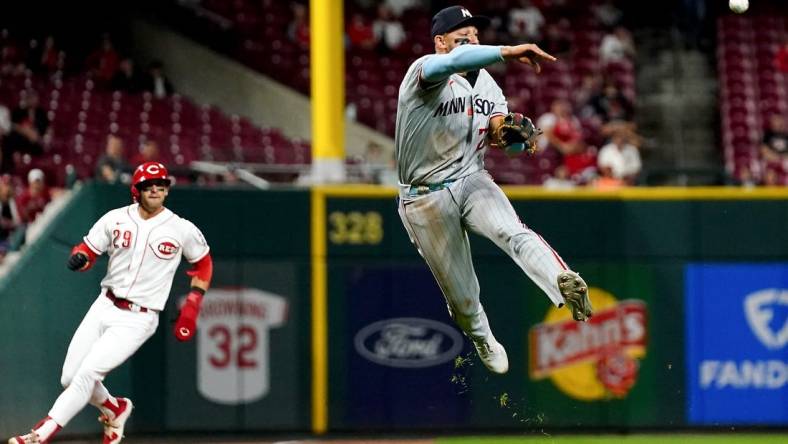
(232, 344)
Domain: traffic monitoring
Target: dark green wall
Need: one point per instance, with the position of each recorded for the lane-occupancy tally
(258, 240)
(633, 249)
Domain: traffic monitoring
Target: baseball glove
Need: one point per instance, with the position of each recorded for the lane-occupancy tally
(515, 135)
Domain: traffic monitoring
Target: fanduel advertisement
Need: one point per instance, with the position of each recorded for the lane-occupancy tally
(737, 343)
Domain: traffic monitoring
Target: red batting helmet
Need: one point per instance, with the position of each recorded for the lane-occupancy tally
(145, 172)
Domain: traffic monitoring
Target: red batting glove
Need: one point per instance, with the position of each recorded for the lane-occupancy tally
(186, 325)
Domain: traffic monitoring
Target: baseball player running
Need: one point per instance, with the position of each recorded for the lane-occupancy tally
(145, 242)
(448, 108)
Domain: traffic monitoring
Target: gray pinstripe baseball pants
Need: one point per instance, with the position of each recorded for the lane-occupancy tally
(438, 224)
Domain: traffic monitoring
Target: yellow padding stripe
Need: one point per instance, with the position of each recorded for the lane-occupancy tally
(634, 193)
(319, 315)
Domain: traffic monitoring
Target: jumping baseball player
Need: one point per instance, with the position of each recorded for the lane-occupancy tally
(449, 111)
(145, 242)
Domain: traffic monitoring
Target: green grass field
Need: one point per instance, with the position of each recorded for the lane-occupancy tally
(715, 438)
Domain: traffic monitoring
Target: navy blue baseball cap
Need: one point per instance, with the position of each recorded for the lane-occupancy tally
(456, 17)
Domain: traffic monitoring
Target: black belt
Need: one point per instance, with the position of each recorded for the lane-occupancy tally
(125, 304)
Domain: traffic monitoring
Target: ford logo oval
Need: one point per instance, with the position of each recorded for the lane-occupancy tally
(408, 342)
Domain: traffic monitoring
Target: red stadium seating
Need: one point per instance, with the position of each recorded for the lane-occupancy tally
(751, 89)
(82, 115)
(373, 80)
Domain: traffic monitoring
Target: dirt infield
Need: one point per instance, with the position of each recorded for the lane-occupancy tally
(359, 441)
(339, 441)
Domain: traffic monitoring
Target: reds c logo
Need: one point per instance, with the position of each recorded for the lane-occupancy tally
(153, 169)
(165, 248)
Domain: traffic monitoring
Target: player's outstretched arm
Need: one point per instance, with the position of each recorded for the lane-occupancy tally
(461, 59)
(527, 53)
(201, 273)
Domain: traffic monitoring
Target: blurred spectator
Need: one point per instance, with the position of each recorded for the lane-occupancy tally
(149, 152)
(5, 120)
(606, 180)
(50, 56)
(559, 8)
(781, 58)
(559, 180)
(611, 104)
(377, 167)
(616, 46)
(10, 218)
(126, 79)
(744, 177)
(29, 110)
(11, 61)
(775, 177)
(774, 146)
(388, 31)
(29, 122)
(397, 7)
(156, 82)
(104, 61)
(33, 56)
(351, 111)
(564, 133)
(590, 88)
(493, 35)
(360, 33)
(607, 13)
(620, 159)
(298, 29)
(43, 58)
(581, 165)
(556, 40)
(111, 165)
(35, 197)
(526, 21)
(562, 130)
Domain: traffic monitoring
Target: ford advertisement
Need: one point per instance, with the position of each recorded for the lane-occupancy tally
(401, 362)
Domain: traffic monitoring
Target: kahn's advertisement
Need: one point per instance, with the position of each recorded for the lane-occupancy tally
(592, 360)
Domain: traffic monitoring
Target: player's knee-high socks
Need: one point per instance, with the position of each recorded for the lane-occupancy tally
(473, 323)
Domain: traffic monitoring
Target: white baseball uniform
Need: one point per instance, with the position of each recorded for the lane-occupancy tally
(440, 141)
(143, 258)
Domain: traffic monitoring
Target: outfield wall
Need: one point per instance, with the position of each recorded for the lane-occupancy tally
(322, 317)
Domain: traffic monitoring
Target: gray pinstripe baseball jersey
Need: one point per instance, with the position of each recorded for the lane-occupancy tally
(440, 131)
(445, 192)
